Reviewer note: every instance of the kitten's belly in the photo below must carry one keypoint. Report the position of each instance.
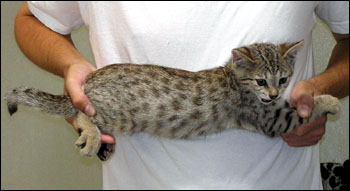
(164, 102)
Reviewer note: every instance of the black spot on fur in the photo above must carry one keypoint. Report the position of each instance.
(155, 92)
(182, 96)
(165, 80)
(161, 111)
(196, 114)
(144, 125)
(277, 114)
(79, 131)
(224, 84)
(176, 105)
(142, 93)
(12, 108)
(145, 107)
(199, 90)
(286, 104)
(288, 125)
(166, 90)
(287, 117)
(215, 112)
(126, 70)
(201, 133)
(146, 81)
(28, 90)
(196, 78)
(197, 101)
(174, 117)
(209, 80)
(213, 90)
(180, 86)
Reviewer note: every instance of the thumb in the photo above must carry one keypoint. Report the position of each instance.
(305, 104)
(107, 139)
(302, 98)
(80, 100)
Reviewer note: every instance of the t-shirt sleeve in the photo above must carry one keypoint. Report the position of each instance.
(335, 14)
(60, 16)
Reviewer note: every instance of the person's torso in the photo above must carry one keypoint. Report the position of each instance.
(196, 36)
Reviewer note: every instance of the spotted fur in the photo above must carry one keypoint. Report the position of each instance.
(179, 104)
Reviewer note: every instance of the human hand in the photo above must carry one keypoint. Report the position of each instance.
(74, 80)
(310, 133)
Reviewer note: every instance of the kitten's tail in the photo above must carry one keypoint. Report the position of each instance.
(53, 104)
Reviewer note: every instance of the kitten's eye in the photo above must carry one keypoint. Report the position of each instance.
(261, 82)
(283, 80)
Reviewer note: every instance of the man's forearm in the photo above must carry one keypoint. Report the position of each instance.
(47, 49)
(335, 80)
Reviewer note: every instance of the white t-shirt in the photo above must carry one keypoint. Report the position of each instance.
(196, 36)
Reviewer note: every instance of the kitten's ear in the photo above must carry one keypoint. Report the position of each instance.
(240, 55)
(290, 50)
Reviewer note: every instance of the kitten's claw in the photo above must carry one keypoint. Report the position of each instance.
(106, 150)
(81, 146)
(81, 142)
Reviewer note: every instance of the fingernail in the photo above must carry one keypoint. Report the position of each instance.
(90, 110)
(305, 111)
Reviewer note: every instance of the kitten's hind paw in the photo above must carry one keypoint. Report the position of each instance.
(106, 150)
(89, 143)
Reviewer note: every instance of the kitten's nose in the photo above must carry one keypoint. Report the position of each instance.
(273, 92)
(273, 96)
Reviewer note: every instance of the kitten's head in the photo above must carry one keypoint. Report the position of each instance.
(264, 69)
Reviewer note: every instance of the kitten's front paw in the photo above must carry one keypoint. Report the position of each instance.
(327, 104)
(89, 142)
(106, 150)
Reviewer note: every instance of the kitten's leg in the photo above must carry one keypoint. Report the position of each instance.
(283, 120)
(287, 119)
(90, 137)
(324, 104)
(106, 150)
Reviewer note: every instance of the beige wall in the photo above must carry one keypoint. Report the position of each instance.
(335, 144)
(37, 150)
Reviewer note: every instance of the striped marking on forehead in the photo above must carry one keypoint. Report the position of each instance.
(273, 68)
(269, 57)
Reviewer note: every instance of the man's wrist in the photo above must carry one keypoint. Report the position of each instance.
(77, 61)
(331, 82)
(319, 86)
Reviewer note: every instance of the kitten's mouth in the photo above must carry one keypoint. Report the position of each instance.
(265, 100)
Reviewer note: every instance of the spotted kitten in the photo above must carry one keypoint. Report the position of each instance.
(174, 103)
